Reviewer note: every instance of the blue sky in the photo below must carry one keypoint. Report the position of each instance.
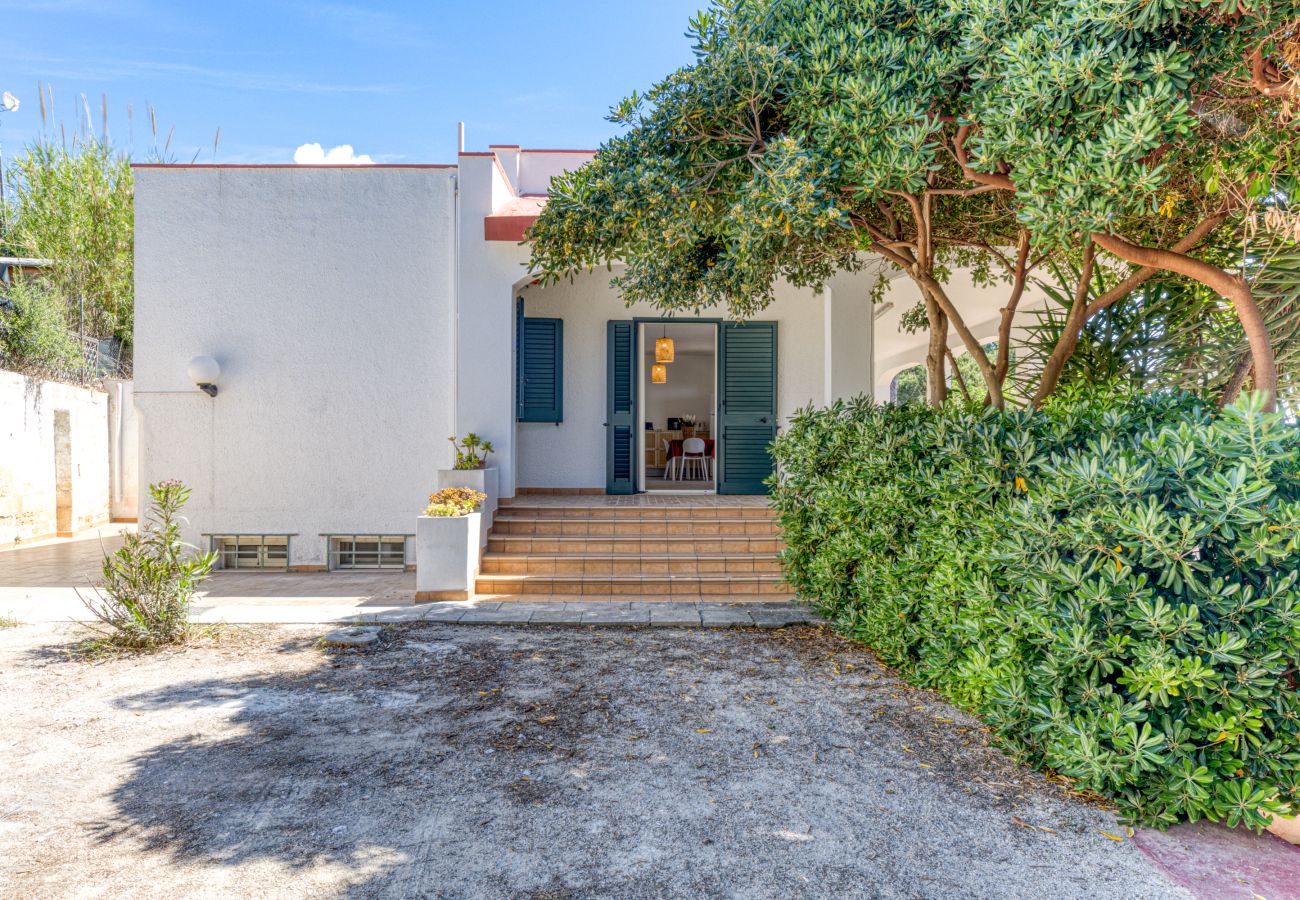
(391, 79)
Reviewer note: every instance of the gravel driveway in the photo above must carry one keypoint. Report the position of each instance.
(532, 762)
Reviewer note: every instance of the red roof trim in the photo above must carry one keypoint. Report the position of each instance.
(506, 228)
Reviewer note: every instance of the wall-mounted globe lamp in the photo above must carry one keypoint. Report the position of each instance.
(204, 372)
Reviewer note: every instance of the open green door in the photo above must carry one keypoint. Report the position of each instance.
(746, 406)
(620, 409)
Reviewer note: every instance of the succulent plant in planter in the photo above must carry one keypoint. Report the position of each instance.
(454, 501)
(447, 541)
(471, 452)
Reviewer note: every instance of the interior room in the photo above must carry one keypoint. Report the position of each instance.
(679, 386)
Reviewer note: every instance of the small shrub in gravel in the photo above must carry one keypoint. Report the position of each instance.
(143, 597)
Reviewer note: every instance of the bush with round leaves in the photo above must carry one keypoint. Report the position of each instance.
(1110, 582)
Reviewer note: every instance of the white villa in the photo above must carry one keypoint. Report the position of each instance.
(362, 314)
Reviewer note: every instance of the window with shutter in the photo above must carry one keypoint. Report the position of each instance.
(540, 370)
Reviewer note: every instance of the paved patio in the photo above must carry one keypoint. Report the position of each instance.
(39, 583)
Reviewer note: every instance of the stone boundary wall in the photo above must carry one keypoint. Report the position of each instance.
(58, 457)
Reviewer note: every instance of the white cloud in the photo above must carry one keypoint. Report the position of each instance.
(342, 155)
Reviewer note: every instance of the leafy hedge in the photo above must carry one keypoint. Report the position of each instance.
(1111, 584)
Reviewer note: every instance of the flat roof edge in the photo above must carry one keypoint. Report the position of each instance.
(291, 166)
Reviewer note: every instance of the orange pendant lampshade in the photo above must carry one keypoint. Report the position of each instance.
(664, 350)
(658, 374)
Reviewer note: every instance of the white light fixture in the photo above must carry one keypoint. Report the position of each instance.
(8, 103)
(204, 372)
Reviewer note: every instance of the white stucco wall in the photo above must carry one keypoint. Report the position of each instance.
(572, 454)
(326, 296)
(485, 353)
(28, 494)
(124, 452)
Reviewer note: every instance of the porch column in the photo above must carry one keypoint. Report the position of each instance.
(848, 349)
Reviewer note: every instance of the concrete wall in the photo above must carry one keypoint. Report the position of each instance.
(326, 296)
(124, 452)
(572, 454)
(487, 276)
(54, 444)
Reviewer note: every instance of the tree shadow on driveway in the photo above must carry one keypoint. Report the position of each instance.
(518, 762)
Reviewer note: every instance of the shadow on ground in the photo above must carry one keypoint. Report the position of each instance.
(571, 762)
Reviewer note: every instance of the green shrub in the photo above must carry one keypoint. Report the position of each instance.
(1112, 584)
(147, 586)
(34, 333)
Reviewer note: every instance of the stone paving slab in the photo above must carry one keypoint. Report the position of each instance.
(675, 615)
(725, 617)
(501, 616)
(629, 616)
(561, 616)
(661, 614)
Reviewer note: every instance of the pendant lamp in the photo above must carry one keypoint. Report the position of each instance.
(664, 351)
(658, 374)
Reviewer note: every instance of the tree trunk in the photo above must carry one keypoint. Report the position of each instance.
(1008, 312)
(956, 374)
(935, 378)
(1232, 389)
(1069, 337)
(935, 291)
(1233, 287)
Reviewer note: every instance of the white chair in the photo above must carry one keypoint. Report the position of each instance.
(692, 458)
(671, 465)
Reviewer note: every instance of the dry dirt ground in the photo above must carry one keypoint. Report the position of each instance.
(456, 761)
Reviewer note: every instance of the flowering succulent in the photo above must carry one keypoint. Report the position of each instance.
(455, 501)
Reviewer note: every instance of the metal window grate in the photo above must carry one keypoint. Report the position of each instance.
(252, 551)
(368, 551)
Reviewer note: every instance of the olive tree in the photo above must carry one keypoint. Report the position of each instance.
(809, 131)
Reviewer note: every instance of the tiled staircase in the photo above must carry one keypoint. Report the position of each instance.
(603, 551)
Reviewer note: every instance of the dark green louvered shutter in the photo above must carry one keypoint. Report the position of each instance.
(540, 370)
(746, 406)
(620, 409)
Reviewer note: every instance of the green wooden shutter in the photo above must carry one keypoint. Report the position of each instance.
(746, 406)
(620, 408)
(540, 370)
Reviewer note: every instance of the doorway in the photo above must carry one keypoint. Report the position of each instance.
(743, 418)
(678, 387)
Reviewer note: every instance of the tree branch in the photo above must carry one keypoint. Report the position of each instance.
(1002, 182)
(1233, 287)
(1261, 80)
(1019, 274)
(1069, 337)
(1189, 241)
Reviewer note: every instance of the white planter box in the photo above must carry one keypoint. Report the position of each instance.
(446, 556)
(484, 480)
